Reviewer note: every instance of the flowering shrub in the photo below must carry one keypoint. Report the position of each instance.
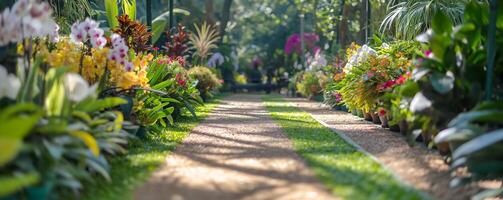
(206, 80)
(293, 43)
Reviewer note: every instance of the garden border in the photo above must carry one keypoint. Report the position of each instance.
(359, 148)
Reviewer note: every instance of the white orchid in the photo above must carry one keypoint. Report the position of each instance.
(77, 88)
(361, 55)
(318, 61)
(216, 59)
(27, 18)
(88, 30)
(9, 84)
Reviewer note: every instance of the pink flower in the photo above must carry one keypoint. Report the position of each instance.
(128, 67)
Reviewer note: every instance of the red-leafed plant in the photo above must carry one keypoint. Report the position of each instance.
(134, 33)
(176, 46)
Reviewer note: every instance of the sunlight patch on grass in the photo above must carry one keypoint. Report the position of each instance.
(348, 173)
(143, 158)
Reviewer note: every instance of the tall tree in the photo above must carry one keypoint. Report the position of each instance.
(226, 10)
(209, 11)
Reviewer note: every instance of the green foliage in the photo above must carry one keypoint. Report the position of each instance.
(310, 84)
(203, 41)
(112, 12)
(407, 19)
(160, 23)
(207, 80)
(143, 158)
(476, 138)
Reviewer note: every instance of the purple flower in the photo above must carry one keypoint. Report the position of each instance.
(293, 43)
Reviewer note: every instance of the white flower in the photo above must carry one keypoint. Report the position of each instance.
(419, 103)
(215, 60)
(9, 84)
(27, 18)
(425, 37)
(77, 88)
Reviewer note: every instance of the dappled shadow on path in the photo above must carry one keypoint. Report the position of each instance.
(238, 152)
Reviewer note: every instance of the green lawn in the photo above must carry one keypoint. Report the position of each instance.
(142, 159)
(349, 173)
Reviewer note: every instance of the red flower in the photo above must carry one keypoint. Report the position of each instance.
(382, 112)
(179, 80)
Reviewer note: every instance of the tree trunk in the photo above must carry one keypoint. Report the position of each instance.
(209, 12)
(362, 21)
(225, 19)
(344, 26)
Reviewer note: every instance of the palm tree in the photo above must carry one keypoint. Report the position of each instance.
(408, 18)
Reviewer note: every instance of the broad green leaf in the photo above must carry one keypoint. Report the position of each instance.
(172, 100)
(100, 104)
(163, 84)
(112, 11)
(100, 165)
(118, 121)
(10, 148)
(441, 23)
(129, 8)
(461, 133)
(89, 140)
(56, 99)
(442, 83)
(478, 144)
(488, 193)
(479, 116)
(13, 183)
(27, 91)
(160, 23)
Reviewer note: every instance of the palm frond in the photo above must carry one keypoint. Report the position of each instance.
(407, 19)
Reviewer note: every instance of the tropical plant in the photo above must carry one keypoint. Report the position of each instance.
(203, 41)
(476, 138)
(207, 80)
(407, 19)
(176, 46)
(135, 34)
(451, 76)
(311, 83)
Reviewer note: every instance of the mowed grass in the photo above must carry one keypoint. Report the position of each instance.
(348, 173)
(145, 156)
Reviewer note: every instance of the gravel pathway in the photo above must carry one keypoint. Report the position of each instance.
(417, 166)
(237, 152)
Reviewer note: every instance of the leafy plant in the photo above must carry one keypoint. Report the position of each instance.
(207, 81)
(410, 18)
(135, 34)
(203, 41)
(476, 137)
(176, 46)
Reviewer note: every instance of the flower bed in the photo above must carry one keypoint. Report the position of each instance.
(71, 103)
(431, 90)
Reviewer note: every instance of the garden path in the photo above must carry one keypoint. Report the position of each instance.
(237, 152)
(422, 168)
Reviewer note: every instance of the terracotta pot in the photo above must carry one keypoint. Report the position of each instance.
(367, 116)
(384, 121)
(375, 118)
(443, 148)
(404, 127)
